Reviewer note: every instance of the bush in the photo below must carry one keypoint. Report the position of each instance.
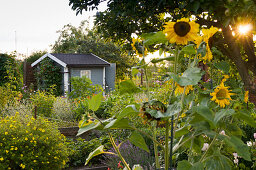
(44, 102)
(31, 144)
(82, 87)
(80, 149)
(62, 109)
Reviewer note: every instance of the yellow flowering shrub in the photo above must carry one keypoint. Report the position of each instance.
(26, 143)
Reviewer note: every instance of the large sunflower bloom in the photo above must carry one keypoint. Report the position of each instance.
(179, 89)
(182, 31)
(221, 95)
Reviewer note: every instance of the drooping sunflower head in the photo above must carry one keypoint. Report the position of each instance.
(222, 95)
(182, 31)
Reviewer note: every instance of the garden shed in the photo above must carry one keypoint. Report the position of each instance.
(95, 68)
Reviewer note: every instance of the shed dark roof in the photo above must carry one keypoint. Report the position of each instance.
(76, 60)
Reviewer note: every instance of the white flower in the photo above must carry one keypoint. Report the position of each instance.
(254, 135)
(236, 161)
(235, 155)
(249, 143)
(223, 132)
(205, 147)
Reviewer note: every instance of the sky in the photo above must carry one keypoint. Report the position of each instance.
(33, 24)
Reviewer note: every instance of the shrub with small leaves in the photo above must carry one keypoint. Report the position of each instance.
(44, 102)
(28, 143)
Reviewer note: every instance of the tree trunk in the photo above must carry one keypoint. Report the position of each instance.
(243, 68)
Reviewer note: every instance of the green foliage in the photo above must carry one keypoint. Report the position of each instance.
(10, 74)
(35, 56)
(80, 149)
(27, 143)
(82, 87)
(49, 76)
(128, 86)
(44, 103)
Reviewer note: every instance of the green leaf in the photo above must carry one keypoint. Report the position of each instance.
(184, 165)
(222, 113)
(189, 49)
(119, 124)
(170, 58)
(137, 167)
(96, 152)
(190, 77)
(206, 113)
(138, 141)
(217, 161)
(195, 6)
(223, 66)
(135, 71)
(245, 116)
(197, 166)
(88, 127)
(95, 101)
(154, 38)
(128, 87)
(181, 131)
(127, 111)
(239, 146)
(173, 109)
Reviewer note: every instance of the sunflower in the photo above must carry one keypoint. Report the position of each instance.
(137, 46)
(179, 89)
(246, 96)
(221, 95)
(182, 31)
(207, 34)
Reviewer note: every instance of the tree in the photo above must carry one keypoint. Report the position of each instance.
(122, 18)
(83, 40)
(10, 74)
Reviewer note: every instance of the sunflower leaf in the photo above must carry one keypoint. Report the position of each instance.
(154, 38)
(190, 77)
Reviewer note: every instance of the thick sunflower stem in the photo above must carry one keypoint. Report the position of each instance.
(155, 149)
(118, 152)
(166, 149)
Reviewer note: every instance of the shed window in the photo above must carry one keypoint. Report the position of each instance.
(86, 73)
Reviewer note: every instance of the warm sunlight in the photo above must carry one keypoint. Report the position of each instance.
(244, 29)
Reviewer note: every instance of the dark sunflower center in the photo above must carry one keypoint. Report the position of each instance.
(221, 94)
(181, 28)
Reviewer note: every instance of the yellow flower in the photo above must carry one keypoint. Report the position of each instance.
(1, 158)
(6, 151)
(22, 166)
(6, 133)
(21, 155)
(34, 161)
(246, 96)
(26, 138)
(207, 34)
(137, 46)
(225, 77)
(208, 56)
(221, 95)
(182, 31)
(179, 89)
